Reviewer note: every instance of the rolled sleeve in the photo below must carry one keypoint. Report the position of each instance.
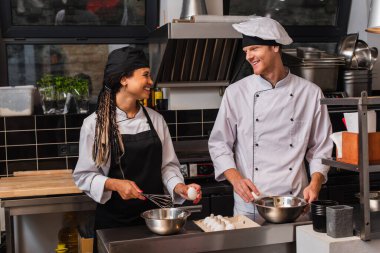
(223, 163)
(97, 189)
(317, 166)
(171, 184)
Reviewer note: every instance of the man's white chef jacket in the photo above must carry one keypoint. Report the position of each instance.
(91, 179)
(265, 133)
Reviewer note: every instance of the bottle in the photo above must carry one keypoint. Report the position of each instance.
(68, 234)
(61, 248)
(157, 96)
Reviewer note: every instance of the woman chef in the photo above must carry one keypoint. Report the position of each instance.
(125, 149)
(268, 122)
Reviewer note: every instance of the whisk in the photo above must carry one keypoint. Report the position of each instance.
(161, 200)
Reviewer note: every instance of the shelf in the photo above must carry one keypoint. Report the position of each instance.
(190, 84)
(363, 168)
(350, 101)
(348, 166)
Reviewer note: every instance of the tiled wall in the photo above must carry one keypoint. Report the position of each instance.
(36, 142)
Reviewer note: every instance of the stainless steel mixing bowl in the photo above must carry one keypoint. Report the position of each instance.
(280, 209)
(165, 221)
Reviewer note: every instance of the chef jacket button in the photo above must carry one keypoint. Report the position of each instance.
(291, 119)
(257, 95)
(256, 169)
(291, 145)
(256, 144)
(291, 192)
(257, 120)
(290, 168)
(291, 94)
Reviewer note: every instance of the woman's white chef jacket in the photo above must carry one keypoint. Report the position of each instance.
(265, 133)
(91, 179)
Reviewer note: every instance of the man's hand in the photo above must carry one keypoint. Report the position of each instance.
(242, 186)
(127, 189)
(311, 192)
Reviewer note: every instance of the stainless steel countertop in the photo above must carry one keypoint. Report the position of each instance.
(193, 239)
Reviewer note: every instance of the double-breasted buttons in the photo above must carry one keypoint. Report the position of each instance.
(291, 192)
(291, 119)
(257, 120)
(256, 144)
(291, 94)
(291, 145)
(256, 169)
(257, 95)
(290, 169)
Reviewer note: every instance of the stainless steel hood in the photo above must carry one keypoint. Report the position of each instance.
(193, 54)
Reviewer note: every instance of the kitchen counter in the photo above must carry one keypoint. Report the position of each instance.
(267, 238)
(25, 195)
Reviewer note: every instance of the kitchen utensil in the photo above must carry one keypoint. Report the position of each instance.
(346, 47)
(161, 200)
(318, 214)
(362, 54)
(339, 221)
(165, 221)
(280, 209)
(374, 200)
(193, 7)
(374, 54)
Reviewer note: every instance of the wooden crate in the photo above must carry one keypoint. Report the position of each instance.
(350, 148)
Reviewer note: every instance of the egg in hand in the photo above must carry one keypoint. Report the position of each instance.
(192, 193)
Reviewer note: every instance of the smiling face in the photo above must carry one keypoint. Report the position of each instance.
(138, 85)
(262, 58)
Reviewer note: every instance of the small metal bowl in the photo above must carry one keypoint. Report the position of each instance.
(280, 209)
(165, 221)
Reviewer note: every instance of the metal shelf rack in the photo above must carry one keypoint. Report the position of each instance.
(363, 167)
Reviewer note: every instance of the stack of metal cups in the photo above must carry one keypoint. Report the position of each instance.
(357, 75)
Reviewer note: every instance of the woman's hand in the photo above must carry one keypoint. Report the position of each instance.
(127, 189)
(182, 190)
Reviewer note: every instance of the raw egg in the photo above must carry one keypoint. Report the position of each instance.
(192, 193)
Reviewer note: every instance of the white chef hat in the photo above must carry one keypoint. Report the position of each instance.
(262, 31)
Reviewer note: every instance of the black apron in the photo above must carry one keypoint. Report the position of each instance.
(141, 163)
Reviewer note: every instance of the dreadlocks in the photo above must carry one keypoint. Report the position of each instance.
(108, 141)
(107, 136)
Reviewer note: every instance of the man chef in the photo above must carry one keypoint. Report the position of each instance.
(268, 123)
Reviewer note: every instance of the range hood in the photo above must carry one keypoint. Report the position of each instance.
(187, 54)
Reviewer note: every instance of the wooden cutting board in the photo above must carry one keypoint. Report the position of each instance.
(38, 183)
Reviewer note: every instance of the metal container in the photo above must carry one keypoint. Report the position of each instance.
(374, 200)
(325, 76)
(165, 221)
(309, 52)
(314, 65)
(193, 7)
(346, 47)
(280, 209)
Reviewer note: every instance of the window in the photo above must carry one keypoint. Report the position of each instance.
(28, 63)
(68, 37)
(305, 20)
(78, 18)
